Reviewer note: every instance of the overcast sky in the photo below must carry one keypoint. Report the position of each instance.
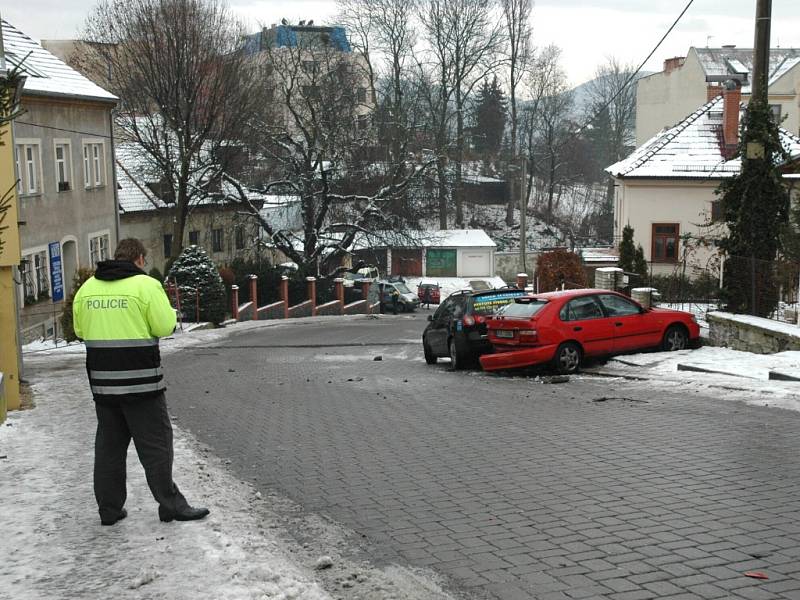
(588, 31)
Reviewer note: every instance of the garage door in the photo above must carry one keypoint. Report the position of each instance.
(476, 263)
(440, 263)
(407, 262)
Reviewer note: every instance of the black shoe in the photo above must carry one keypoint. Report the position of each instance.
(187, 514)
(122, 514)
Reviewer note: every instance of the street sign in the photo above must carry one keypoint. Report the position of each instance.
(56, 274)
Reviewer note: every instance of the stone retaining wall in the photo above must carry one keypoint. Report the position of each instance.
(752, 334)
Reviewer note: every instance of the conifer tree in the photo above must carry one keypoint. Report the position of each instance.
(755, 205)
(490, 119)
(196, 275)
(627, 250)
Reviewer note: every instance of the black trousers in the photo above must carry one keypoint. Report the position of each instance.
(146, 421)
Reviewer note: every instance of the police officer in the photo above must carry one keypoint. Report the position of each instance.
(120, 313)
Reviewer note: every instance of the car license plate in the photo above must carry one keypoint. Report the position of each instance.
(504, 333)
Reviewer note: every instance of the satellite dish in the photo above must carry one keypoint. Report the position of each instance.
(302, 23)
(284, 22)
(310, 23)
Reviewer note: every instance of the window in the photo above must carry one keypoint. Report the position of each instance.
(310, 66)
(239, 237)
(98, 248)
(716, 211)
(618, 307)
(361, 95)
(776, 112)
(63, 166)
(87, 176)
(29, 167)
(17, 153)
(167, 245)
(581, 309)
(216, 240)
(665, 242)
(34, 269)
(94, 164)
(194, 238)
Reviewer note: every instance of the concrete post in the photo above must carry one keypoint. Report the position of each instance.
(235, 302)
(338, 286)
(312, 294)
(365, 294)
(522, 280)
(285, 295)
(254, 295)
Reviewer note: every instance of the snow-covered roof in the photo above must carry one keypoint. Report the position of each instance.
(132, 191)
(692, 149)
(729, 61)
(46, 74)
(599, 255)
(457, 238)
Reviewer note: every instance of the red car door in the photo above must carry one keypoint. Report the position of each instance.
(634, 328)
(583, 320)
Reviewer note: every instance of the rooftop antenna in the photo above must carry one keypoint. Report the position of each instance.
(708, 39)
(302, 23)
(284, 22)
(311, 22)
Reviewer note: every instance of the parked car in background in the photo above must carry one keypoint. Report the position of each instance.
(458, 327)
(429, 293)
(561, 328)
(406, 300)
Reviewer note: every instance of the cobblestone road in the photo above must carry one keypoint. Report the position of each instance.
(511, 488)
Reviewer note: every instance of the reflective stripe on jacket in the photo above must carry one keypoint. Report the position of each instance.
(120, 320)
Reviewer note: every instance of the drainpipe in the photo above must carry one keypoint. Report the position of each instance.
(113, 162)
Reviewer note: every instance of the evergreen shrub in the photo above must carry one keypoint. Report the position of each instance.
(196, 275)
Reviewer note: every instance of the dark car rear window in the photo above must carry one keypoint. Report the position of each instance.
(487, 304)
(523, 310)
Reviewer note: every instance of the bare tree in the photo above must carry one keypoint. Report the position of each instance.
(184, 80)
(520, 52)
(315, 137)
(612, 110)
(546, 124)
(465, 39)
(383, 33)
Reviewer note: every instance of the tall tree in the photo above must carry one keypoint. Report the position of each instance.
(755, 206)
(549, 129)
(384, 34)
(465, 37)
(520, 54)
(490, 119)
(184, 82)
(311, 134)
(612, 106)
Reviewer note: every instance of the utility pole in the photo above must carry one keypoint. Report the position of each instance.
(761, 52)
(523, 216)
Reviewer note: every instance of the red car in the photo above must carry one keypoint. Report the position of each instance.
(563, 327)
(429, 293)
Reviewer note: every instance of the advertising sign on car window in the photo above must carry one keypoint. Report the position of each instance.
(487, 304)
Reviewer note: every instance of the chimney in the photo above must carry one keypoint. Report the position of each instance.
(673, 63)
(732, 98)
(712, 91)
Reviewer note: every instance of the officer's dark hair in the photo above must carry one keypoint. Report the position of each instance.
(130, 249)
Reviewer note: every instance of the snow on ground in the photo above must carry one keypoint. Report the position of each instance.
(54, 546)
(715, 369)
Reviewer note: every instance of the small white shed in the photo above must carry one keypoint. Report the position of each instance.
(459, 253)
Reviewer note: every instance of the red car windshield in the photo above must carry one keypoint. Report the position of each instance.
(487, 304)
(523, 310)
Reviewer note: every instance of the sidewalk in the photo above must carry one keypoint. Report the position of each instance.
(54, 546)
(768, 379)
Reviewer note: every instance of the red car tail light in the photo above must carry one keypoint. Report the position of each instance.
(530, 335)
(479, 319)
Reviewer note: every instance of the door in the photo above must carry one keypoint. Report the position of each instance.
(440, 327)
(583, 320)
(407, 261)
(633, 330)
(440, 262)
(476, 263)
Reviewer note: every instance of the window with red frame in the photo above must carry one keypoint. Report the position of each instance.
(665, 242)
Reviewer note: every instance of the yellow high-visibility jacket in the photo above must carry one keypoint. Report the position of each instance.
(120, 313)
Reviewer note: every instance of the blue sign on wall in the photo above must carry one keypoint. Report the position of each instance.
(56, 274)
